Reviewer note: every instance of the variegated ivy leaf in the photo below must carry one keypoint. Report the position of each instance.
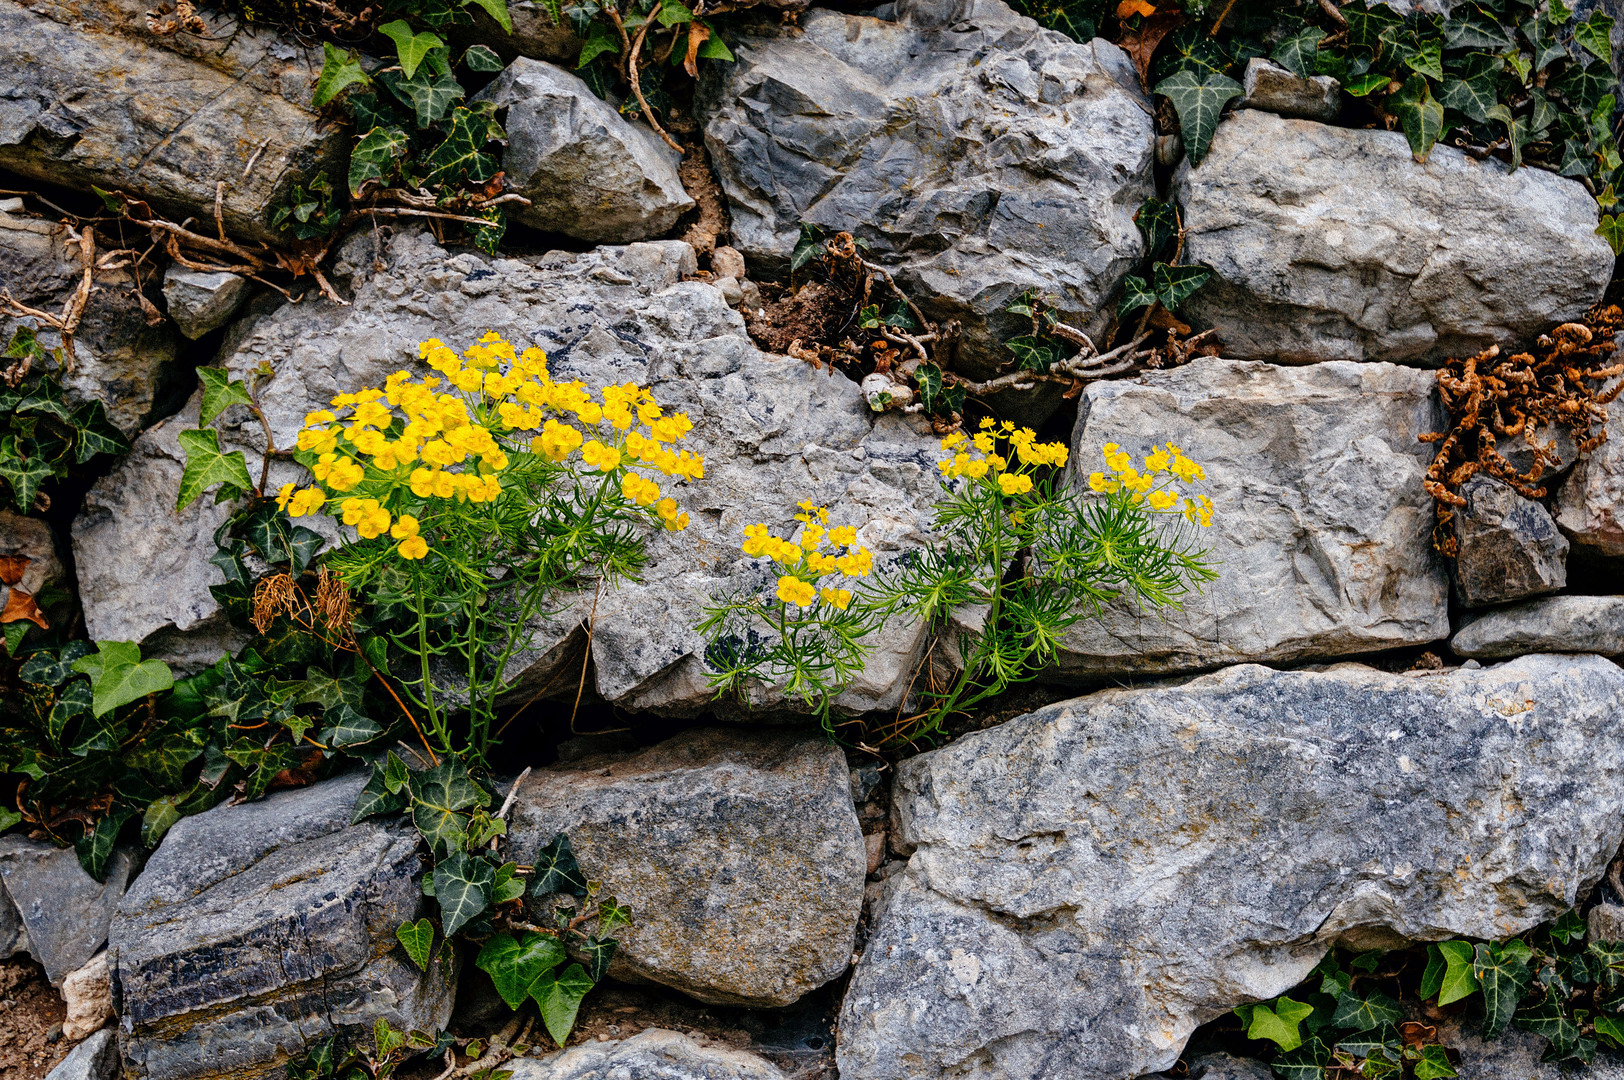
(338, 70)
(376, 797)
(1298, 53)
(439, 798)
(375, 156)
(1502, 974)
(462, 885)
(557, 871)
(1199, 102)
(1420, 114)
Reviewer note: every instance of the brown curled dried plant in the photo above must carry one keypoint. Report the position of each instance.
(1561, 384)
(328, 614)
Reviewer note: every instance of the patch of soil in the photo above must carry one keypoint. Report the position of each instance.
(31, 1015)
(814, 315)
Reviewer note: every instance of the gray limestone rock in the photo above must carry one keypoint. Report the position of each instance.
(976, 153)
(1272, 88)
(739, 853)
(200, 301)
(1605, 923)
(654, 1054)
(587, 171)
(1515, 1055)
(1332, 243)
(32, 540)
(92, 96)
(1590, 503)
(1509, 547)
(1578, 624)
(63, 911)
(1321, 532)
(773, 431)
(94, 1059)
(1068, 917)
(259, 927)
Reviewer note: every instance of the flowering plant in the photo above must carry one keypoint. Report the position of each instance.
(1016, 550)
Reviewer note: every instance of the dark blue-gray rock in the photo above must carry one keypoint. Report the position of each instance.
(1331, 243)
(1590, 503)
(1321, 528)
(975, 152)
(1509, 546)
(739, 853)
(1272, 88)
(258, 928)
(1092, 881)
(587, 171)
(94, 1059)
(63, 912)
(93, 96)
(653, 1054)
(1577, 624)
(202, 300)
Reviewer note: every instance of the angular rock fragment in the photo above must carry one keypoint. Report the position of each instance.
(63, 911)
(739, 853)
(88, 994)
(1066, 917)
(1331, 243)
(1509, 548)
(258, 928)
(1590, 502)
(1321, 528)
(653, 1054)
(587, 171)
(94, 1059)
(1579, 624)
(1272, 88)
(200, 301)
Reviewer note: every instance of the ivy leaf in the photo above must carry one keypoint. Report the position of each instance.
(429, 94)
(559, 997)
(1298, 53)
(600, 952)
(1568, 927)
(95, 848)
(24, 472)
(1189, 49)
(1175, 284)
(1159, 223)
(1030, 353)
(375, 155)
(166, 757)
(714, 48)
(461, 156)
(496, 9)
(47, 668)
(1474, 97)
(344, 726)
(1136, 293)
(462, 885)
(395, 776)
(159, 816)
(438, 796)
(1420, 113)
(1595, 35)
(1502, 974)
(219, 391)
(417, 938)
(1279, 1024)
(1609, 1028)
(674, 13)
(506, 886)
(481, 59)
(1362, 1014)
(46, 399)
(1585, 87)
(1380, 1041)
(338, 70)
(1457, 980)
(207, 465)
(557, 871)
(516, 965)
(1434, 1064)
(1199, 102)
(119, 676)
(409, 47)
(376, 797)
(599, 40)
(1364, 85)
(1307, 1062)
(1469, 28)
(1607, 961)
(1366, 25)
(1549, 1021)
(73, 700)
(95, 434)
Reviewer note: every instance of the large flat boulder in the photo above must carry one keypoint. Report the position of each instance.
(1068, 918)
(92, 96)
(1333, 243)
(1321, 530)
(739, 853)
(773, 431)
(977, 153)
(258, 928)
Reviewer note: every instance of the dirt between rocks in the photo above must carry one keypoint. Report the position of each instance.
(31, 1015)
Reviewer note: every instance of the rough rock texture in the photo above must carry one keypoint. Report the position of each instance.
(94, 1059)
(1510, 548)
(976, 152)
(119, 359)
(91, 96)
(1272, 88)
(773, 431)
(257, 928)
(1332, 243)
(739, 853)
(88, 994)
(1553, 624)
(534, 34)
(654, 1054)
(587, 171)
(1221, 1067)
(1321, 530)
(1066, 917)
(1515, 1055)
(63, 910)
(30, 539)
(1605, 923)
(200, 301)
(1590, 503)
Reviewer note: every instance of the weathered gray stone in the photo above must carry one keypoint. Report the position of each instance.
(977, 153)
(92, 96)
(260, 927)
(1509, 547)
(30, 539)
(1515, 1055)
(773, 431)
(119, 358)
(1066, 917)
(200, 301)
(1590, 503)
(654, 1054)
(739, 853)
(63, 910)
(587, 171)
(94, 1059)
(1221, 1067)
(1606, 923)
(1321, 531)
(1591, 624)
(1272, 88)
(88, 994)
(1332, 243)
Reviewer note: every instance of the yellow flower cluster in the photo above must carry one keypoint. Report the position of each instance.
(452, 438)
(806, 559)
(1154, 481)
(1009, 466)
